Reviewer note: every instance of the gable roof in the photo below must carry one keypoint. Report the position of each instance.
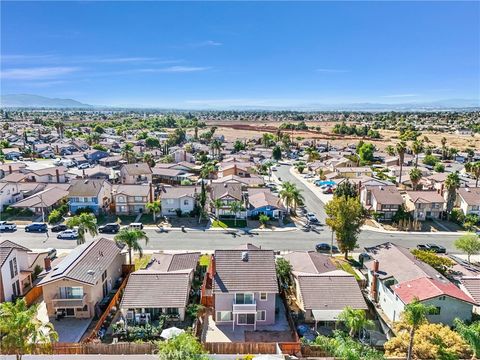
(387, 195)
(131, 189)
(87, 187)
(86, 263)
(425, 197)
(137, 169)
(470, 195)
(175, 192)
(256, 274)
(174, 262)
(472, 285)
(6, 247)
(220, 191)
(310, 262)
(265, 198)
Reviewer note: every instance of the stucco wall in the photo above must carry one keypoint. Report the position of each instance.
(224, 302)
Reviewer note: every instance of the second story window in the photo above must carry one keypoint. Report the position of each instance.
(13, 268)
(244, 298)
(263, 296)
(104, 276)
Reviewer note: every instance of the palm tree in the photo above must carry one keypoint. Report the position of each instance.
(85, 223)
(444, 150)
(452, 183)
(127, 152)
(217, 204)
(355, 320)
(131, 238)
(235, 208)
(216, 146)
(312, 153)
(154, 207)
(148, 158)
(267, 140)
(290, 195)
(208, 169)
(415, 314)
(415, 176)
(417, 148)
(473, 168)
(401, 148)
(390, 150)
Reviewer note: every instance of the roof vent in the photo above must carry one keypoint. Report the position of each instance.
(467, 189)
(245, 256)
(91, 272)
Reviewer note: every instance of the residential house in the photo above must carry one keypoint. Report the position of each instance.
(9, 193)
(227, 194)
(94, 155)
(261, 201)
(471, 286)
(351, 172)
(321, 290)
(131, 199)
(242, 287)
(44, 201)
(11, 168)
(167, 175)
(111, 161)
(396, 278)
(163, 288)
(75, 286)
(97, 172)
(94, 194)
(135, 173)
(246, 182)
(15, 276)
(468, 200)
(182, 155)
(54, 174)
(384, 200)
(424, 204)
(178, 198)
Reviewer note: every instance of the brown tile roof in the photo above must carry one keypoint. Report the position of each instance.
(175, 192)
(331, 292)
(252, 180)
(86, 263)
(87, 187)
(137, 169)
(265, 198)
(131, 190)
(310, 262)
(219, 191)
(386, 195)
(425, 197)
(472, 285)
(174, 262)
(470, 195)
(159, 171)
(256, 274)
(153, 289)
(6, 248)
(45, 198)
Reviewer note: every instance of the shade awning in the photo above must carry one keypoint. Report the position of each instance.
(326, 315)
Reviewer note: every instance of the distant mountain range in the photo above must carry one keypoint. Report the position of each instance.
(36, 101)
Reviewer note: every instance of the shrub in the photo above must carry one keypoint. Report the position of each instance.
(54, 217)
(439, 263)
(439, 167)
(86, 210)
(430, 160)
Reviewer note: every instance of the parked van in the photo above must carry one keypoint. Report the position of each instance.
(138, 226)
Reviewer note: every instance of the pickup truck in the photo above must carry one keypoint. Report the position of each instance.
(7, 226)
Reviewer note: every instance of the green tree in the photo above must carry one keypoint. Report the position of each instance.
(440, 263)
(390, 150)
(277, 153)
(365, 152)
(154, 207)
(347, 189)
(20, 329)
(267, 140)
(452, 183)
(444, 147)
(263, 219)
(202, 201)
(55, 216)
(84, 222)
(415, 314)
(355, 320)
(127, 152)
(439, 167)
(469, 244)
(152, 142)
(184, 346)
(217, 204)
(312, 154)
(238, 146)
(415, 177)
(131, 239)
(291, 195)
(284, 272)
(401, 149)
(208, 170)
(473, 168)
(235, 208)
(471, 335)
(148, 158)
(345, 217)
(417, 148)
(216, 146)
(99, 129)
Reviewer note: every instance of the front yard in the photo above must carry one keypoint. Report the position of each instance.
(229, 223)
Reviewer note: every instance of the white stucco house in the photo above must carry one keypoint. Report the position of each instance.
(468, 200)
(175, 198)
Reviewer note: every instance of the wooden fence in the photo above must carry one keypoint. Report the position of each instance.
(291, 348)
(33, 294)
(240, 348)
(114, 302)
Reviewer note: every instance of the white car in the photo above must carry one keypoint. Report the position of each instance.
(312, 218)
(84, 166)
(7, 226)
(68, 234)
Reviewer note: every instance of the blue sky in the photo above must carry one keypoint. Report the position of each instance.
(214, 54)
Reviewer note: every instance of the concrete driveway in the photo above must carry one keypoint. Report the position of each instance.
(70, 329)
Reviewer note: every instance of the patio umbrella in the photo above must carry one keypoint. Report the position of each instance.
(171, 332)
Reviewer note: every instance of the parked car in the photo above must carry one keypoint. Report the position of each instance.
(326, 248)
(437, 248)
(312, 218)
(59, 227)
(68, 234)
(84, 166)
(36, 227)
(111, 228)
(7, 226)
(138, 226)
(422, 247)
(51, 253)
(328, 190)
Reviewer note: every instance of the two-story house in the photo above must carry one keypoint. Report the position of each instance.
(131, 199)
(424, 205)
(82, 279)
(395, 278)
(243, 287)
(138, 173)
(9, 193)
(468, 200)
(94, 194)
(178, 198)
(226, 194)
(55, 174)
(94, 155)
(15, 276)
(384, 200)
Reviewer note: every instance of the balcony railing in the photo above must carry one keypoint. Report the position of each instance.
(245, 308)
(61, 302)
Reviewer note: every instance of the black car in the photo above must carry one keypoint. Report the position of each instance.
(112, 228)
(422, 247)
(325, 248)
(60, 227)
(36, 227)
(436, 248)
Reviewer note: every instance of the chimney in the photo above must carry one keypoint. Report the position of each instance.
(47, 262)
(58, 175)
(10, 169)
(213, 267)
(373, 285)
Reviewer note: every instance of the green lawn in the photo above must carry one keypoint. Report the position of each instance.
(141, 263)
(345, 266)
(229, 223)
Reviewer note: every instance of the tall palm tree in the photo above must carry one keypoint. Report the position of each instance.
(417, 148)
(401, 148)
(444, 147)
(312, 153)
(85, 223)
(154, 207)
(127, 152)
(131, 239)
(217, 204)
(148, 158)
(208, 169)
(452, 183)
(355, 320)
(415, 314)
(216, 146)
(390, 150)
(415, 176)
(267, 139)
(291, 195)
(235, 208)
(473, 168)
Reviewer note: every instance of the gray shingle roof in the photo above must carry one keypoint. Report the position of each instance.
(174, 262)
(86, 187)
(85, 263)
(472, 284)
(310, 262)
(335, 292)
(151, 289)
(233, 274)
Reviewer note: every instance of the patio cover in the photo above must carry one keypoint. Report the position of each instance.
(326, 315)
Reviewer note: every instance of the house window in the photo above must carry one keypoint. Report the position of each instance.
(441, 298)
(85, 199)
(172, 311)
(170, 201)
(104, 275)
(263, 296)
(436, 311)
(74, 292)
(138, 198)
(244, 298)
(185, 202)
(246, 319)
(13, 268)
(121, 199)
(224, 316)
(261, 315)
